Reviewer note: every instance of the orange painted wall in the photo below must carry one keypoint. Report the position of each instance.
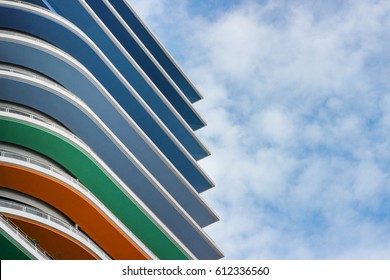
(75, 206)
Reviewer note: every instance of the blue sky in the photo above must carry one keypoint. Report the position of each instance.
(297, 100)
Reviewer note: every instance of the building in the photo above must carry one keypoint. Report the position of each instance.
(98, 149)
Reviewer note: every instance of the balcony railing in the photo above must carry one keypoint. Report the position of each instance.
(33, 245)
(24, 158)
(21, 157)
(44, 215)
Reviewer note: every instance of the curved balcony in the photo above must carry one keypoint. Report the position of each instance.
(63, 236)
(58, 188)
(17, 245)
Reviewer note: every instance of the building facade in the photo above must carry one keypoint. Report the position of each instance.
(98, 145)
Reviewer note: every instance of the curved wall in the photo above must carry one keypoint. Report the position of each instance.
(93, 177)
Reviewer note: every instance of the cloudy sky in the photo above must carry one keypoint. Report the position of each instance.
(297, 101)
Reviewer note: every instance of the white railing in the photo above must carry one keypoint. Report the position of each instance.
(24, 158)
(25, 237)
(18, 70)
(44, 215)
(21, 157)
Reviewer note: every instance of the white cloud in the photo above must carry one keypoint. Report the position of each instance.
(274, 125)
(149, 9)
(297, 105)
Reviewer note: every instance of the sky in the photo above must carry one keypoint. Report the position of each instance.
(297, 102)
